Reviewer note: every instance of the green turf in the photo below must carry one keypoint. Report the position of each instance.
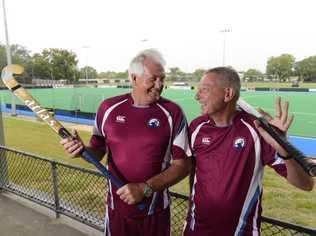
(275, 85)
(302, 104)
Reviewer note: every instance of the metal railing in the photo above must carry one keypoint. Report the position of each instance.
(80, 193)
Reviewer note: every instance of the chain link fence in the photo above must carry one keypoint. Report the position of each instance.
(80, 193)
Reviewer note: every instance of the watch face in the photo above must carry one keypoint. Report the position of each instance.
(148, 191)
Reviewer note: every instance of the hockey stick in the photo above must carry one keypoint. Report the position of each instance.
(308, 164)
(43, 114)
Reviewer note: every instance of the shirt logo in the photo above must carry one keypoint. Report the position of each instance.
(121, 119)
(153, 123)
(239, 143)
(206, 140)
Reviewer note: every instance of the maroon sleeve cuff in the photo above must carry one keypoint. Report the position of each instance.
(178, 153)
(97, 141)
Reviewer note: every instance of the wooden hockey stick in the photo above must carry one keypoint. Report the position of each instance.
(9, 80)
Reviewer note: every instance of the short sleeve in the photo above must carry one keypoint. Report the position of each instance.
(98, 139)
(270, 158)
(180, 143)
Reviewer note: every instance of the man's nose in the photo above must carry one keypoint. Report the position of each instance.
(159, 83)
(197, 97)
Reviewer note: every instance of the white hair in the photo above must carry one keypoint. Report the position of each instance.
(136, 66)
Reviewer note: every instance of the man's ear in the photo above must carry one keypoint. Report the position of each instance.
(133, 77)
(229, 94)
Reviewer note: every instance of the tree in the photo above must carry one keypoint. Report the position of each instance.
(253, 75)
(55, 64)
(88, 72)
(20, 55)
(198, 73)
(113, 75)
(306, 69)
(175, 74)
(280, 67)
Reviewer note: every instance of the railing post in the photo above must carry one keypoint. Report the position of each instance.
(3, 170)
(55, 188)
(3, 157)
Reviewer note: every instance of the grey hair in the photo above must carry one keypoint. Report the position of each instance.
(136, 66)
(228, 77)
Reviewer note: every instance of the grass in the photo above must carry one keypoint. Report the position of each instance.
(36, 137)
(283, 201)
(280, 199)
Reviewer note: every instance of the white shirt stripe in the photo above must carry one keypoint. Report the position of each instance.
(195, 132)
(256, 182)
(107, 231)
(182, 141)
(192, 222)
(107, 113)
(165, 163)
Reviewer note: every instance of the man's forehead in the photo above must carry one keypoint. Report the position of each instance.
(205, 81)
(154, 68)
(209, 79)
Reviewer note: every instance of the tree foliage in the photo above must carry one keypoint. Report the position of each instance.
(88, 72)
(60, 64)
(175, 74)
(198, 73)
(19, 55)
(55, 64)
(113, 75)
(253, 75)
(281, 67)
(306, 68)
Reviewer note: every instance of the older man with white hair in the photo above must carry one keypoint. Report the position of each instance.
(145, 138)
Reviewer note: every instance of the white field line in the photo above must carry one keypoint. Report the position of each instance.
(292, 112)
(301, 137)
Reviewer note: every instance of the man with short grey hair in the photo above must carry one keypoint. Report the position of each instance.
(145, 138)
(230, 150)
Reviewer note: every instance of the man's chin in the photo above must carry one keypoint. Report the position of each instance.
(154, 98)
(204, 112)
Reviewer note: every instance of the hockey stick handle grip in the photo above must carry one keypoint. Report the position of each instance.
(306, 163)
(85, 154)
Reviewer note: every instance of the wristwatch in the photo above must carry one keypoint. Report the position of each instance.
(148, 191)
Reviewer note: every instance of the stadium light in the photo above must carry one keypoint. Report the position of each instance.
(9, 59)
(224, 32)
(143, 43)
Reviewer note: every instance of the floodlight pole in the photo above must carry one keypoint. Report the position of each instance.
(86, 67)
(3, 160)
(8, 51)
(224, 31)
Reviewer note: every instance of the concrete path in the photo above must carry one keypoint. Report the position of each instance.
(17, 219)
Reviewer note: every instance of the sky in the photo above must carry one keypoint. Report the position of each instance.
(106, 34)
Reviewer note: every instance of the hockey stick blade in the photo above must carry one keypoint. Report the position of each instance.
(308, 164)
(11, 83)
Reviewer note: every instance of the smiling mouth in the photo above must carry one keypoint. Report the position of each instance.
(154, 92)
